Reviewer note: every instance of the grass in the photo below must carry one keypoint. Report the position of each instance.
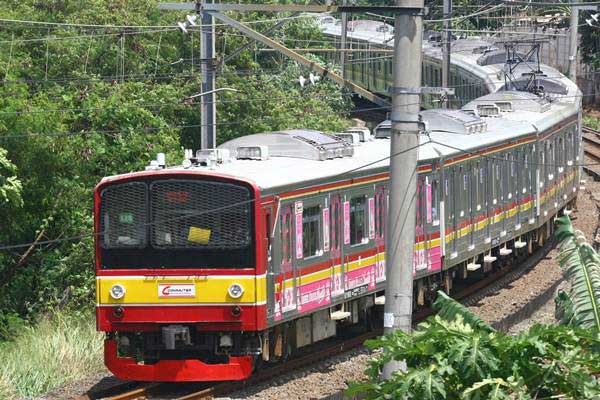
(56, 351)
(591, 121)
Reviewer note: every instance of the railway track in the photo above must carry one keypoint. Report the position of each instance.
(591, 149)
(468, 296)
(591, 139)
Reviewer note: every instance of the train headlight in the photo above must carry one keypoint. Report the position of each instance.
(117, 291)
(235, 290)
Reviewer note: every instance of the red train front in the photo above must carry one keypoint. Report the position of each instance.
(180, 275)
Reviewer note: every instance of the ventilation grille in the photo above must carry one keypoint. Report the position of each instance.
(505, 106)
(123, 216)
(488, 110)
(190, 214)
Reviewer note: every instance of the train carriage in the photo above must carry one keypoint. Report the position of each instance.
(275, 241)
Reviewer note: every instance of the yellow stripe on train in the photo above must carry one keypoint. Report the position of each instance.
(185, 290)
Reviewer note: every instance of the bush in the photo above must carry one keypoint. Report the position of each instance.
(452, 360)
(57, 350)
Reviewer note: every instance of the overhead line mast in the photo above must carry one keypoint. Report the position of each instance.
(400, 235)
(405, 94)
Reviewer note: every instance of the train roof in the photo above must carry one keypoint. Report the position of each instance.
(480, 56)
(302, 157)
(462, 131)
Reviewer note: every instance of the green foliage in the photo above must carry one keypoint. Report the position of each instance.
(448, 309)
(454, 360)
(589, 44)
(57, 350)
(76, 106)
(580, 306)
(591, 121)
(10, 186)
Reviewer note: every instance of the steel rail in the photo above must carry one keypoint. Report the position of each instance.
(591, 139)
(467, 296)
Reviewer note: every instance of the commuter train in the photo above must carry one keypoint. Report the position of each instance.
(249, 252)
(477, 64)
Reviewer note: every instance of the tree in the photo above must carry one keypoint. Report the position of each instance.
(454, 355)
(80, 103)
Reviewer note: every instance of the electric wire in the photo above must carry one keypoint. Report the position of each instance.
(6, 247)
(245, 202)
(79, 25)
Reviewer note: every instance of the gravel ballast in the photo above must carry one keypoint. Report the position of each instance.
(330, 376)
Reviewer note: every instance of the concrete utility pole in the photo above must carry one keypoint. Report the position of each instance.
(447, 46)
(408, 35)
(343, 45)
(208, 105)
(573, 42)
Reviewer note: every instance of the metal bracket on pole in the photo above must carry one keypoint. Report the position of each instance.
(259, 37)
(405, 118)
(208, 109)
(442, 91)
(204, 6)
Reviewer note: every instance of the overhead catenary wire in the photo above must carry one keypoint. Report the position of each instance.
(215, 210)
(547, 3)
(166, 127)
(339, 175)
(253, 99)
(108, 26)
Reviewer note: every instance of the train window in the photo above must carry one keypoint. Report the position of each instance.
(549, 161)
(435, 201)
(357, 219)
(458, 191)
(482, 181)
(311, 231)
(496, 180)
(124, 216)
(449, 196)
(476, 186)
(542, 166)
(560, 155)
(380, 213)
(466, 205)
(334, 225)
(525, 166)
(286, 238)
(569, 147)
(510, 175)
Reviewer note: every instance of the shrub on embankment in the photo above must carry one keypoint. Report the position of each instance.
(57, 350)
(456, 355)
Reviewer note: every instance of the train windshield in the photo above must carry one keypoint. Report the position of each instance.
(175, 223)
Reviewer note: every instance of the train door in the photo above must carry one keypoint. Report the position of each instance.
(286, 295)
(488, 168)
(380, 218)
(272, 267)
(527, 187)
(434, 249)
(496, 198)
(461, 194)
(473, 213)
(451, 207)
(548, 178)
(520, 178)
(336, 231)
(511, 199)
(570, 160)
(558, 152)
(504, 192)
(420, 254)
(560, 167)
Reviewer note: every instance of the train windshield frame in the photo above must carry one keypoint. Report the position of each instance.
(176, 223)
